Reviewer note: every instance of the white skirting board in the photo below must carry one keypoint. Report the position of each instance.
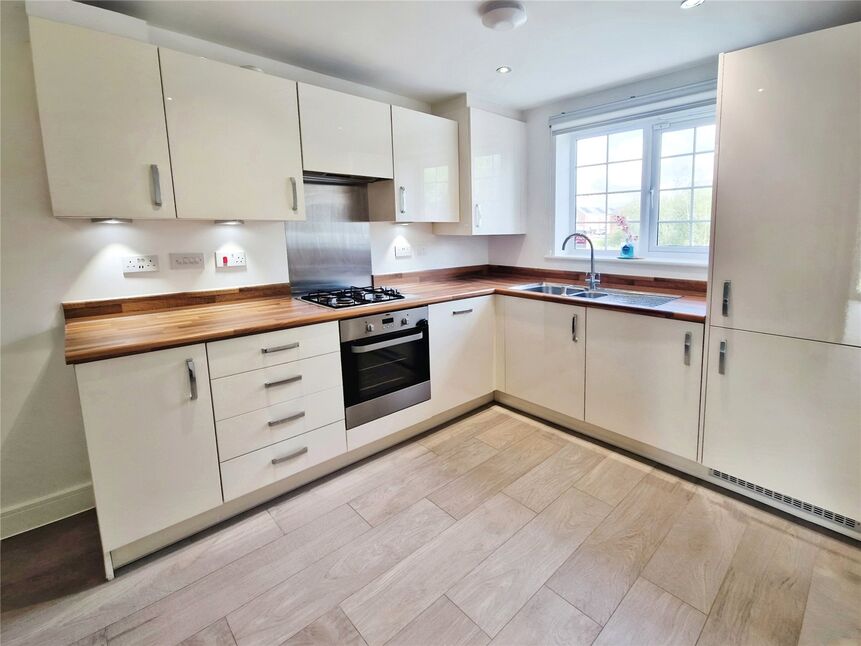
(31, 514)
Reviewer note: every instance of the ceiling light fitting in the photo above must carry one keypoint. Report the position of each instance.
(690, 4)
(111, 220)
(502, 15)
(229, 223)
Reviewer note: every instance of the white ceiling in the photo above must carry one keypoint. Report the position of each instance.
(432, 50)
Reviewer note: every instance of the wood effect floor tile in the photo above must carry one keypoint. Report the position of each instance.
(99, 638)
(694, 557)
(290, 606)
(650, 615)
(144, 583)
(762, 598)
(191, 609)
(217, 634)
(443, 624)
(450, 438)
(833, 611)
(543, 484)
(505, 432)
(602, 570)
(467, 492)
(332, 629)
(382, 608)
(548, 620)
(613, 478)
(389, 498)
(496, 590)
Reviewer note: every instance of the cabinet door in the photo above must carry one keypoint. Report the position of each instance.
(103, 129)
(643, 379)
(462, 351)
(345, 134)
(545, 354)
(151, 441)
(234, 140)
(787, 216)
(785, 414)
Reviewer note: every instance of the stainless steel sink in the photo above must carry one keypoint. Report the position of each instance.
(555, 289)
(609, 296)
(589, 294)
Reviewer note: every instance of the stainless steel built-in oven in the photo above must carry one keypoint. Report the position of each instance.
(385, 362)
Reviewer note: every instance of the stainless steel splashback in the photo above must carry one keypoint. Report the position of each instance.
(332, 247)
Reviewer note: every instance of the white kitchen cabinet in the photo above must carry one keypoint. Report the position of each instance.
(234, 140)
(103, 126)
(425, 186)
(345, 134)
(492, 174)
(151, 441)
(545, 354)
(643, 377)
(786, 414)
(788, 211)
(461, 351)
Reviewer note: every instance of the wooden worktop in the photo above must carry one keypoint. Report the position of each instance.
(106, 329)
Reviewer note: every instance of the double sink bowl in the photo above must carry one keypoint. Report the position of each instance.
(608, 296)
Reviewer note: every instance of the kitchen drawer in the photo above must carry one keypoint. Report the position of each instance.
(245, 433)
(248, 391)
(256, 469)
(245, 353)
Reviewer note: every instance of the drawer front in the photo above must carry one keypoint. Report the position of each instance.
(256, 469)
(259, 428)
(248, 391)
(245, 353)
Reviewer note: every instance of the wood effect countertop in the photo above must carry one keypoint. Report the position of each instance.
(108, 336)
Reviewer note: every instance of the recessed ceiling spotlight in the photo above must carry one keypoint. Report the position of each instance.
(503, 69)
(111, 220)
(229, 223)
(690, 4)
(502, 15)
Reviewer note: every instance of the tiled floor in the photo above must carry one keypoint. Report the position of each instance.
(493, 530)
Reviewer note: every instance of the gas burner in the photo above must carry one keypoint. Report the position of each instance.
(353, 296)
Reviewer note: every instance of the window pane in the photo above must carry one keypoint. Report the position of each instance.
(596, 232)
(701, 234)
(590, 208)
(677, 142)
(591, 179)
(702, 204)
(676, 172)
(592, 151)
(626, 205)
(625, 176)
(703, 169)
(626, 145)
(675, 205)
(705, 138)
(674, 234)
(617, 236)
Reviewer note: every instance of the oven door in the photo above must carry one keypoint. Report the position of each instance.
(385, 373)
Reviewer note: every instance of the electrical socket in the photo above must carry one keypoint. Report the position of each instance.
(403, 250)
(229, 259)
(191, 260)
(139, 264)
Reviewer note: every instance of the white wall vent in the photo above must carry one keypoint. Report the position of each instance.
(810, 508)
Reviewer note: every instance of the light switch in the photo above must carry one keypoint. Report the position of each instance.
(192, 260)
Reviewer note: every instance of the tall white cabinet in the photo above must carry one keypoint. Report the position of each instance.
(782, 384)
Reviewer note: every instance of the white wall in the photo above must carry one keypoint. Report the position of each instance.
(532, 249)
(45, 261)
(428, 250)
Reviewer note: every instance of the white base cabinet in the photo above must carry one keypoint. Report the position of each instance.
(643, 378)
(786, 414)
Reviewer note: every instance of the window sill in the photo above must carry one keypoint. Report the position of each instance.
(643, 262)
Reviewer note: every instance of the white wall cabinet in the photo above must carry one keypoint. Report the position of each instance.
(426, 183)
(545, 354)
(492, 175)
(103, 127)
(643, 379)
(345, 134)
(234, 140)
(788, 210)
(461, 350)
(151, 441)
(785, 413)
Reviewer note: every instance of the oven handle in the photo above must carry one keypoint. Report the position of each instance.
(360, 349)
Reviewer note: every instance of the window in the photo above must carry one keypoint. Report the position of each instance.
(641, 179)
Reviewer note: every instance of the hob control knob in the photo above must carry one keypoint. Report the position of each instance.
(405, 321)
(369, 327)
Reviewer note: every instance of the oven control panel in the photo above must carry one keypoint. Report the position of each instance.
(366, 326)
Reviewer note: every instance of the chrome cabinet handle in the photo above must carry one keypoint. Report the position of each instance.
(402, 199)
(291, 455)
(295, 191)
(156, 184)
(284, 420)
(361, 349)
(725, 302)
(574, 337)
(281, 382)
(722, 358)
(279, 348)
(477, 216)
(689, 337)
(456, 312)
(192, 378)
